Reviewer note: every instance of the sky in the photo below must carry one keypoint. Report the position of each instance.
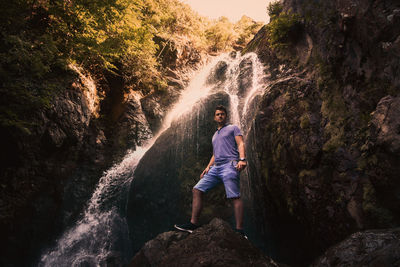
(232, 9)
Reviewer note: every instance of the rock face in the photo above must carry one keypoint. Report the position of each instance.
(386, 123)
(369, 248)
(214, 244)
(323, 147)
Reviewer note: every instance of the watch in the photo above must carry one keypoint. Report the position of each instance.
(242, 159)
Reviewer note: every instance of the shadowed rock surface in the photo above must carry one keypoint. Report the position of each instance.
(323, 149)
(369, 248)
(48, 176)
(214, 244)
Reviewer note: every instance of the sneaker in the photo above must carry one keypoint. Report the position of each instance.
(241, 232)
(187, 227)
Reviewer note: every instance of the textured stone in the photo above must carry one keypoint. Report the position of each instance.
(386, 121)
(320, 167)
(369, 248)
(214, 244)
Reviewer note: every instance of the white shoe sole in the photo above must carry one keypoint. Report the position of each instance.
(182, 229)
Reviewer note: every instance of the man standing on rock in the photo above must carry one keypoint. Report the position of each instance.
(227, 161)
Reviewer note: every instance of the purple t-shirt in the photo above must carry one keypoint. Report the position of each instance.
(224, 144)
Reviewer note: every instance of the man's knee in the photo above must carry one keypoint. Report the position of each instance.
(196, 192)
(237, 201)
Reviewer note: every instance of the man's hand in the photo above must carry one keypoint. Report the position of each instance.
(241, 165)
(204, 172)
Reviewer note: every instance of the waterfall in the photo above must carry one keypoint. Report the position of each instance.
(101, 236)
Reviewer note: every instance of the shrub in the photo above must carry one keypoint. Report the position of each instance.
(274, 9)
(284, 29)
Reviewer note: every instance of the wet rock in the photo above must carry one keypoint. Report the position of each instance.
(245, 78)
(153, 111)
(133, 127)
(369, 248)
(214, 244)
(218, 74)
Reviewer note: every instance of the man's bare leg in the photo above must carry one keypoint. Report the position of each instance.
(238, 209)
(197, 205)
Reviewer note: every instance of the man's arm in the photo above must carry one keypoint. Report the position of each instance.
(242, 153)
(208, 167)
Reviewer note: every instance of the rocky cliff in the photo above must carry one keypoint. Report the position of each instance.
(88, 127)
(323, 148)
(322, 143)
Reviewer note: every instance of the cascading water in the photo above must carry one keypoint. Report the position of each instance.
(100, 238)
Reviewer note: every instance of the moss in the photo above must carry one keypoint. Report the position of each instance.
(309, 173)
(336, 138)
(304, 121)
(333, 107)
(367, 161)
(304, 105)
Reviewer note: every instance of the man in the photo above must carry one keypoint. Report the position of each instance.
(227, 161)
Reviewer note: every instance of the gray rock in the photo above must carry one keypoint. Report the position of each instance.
(369, 248)
(245, 78)
(214, 244)
(218, 74)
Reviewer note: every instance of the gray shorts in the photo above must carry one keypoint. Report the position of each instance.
(225, 173)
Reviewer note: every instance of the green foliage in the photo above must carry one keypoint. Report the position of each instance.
(333, 107)
(283, 29)
(40, 38)
(274, 9)
(246, 28)
(221, 35)
(304, 121)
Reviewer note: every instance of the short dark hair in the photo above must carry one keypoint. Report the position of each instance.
(221, 107)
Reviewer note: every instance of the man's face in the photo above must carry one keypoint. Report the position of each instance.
(220, 116)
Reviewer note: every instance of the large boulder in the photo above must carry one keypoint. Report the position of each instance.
(214, 244)
(369, 248)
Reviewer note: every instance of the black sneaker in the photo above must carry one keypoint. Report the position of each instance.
(241, 232)
(187, 227)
